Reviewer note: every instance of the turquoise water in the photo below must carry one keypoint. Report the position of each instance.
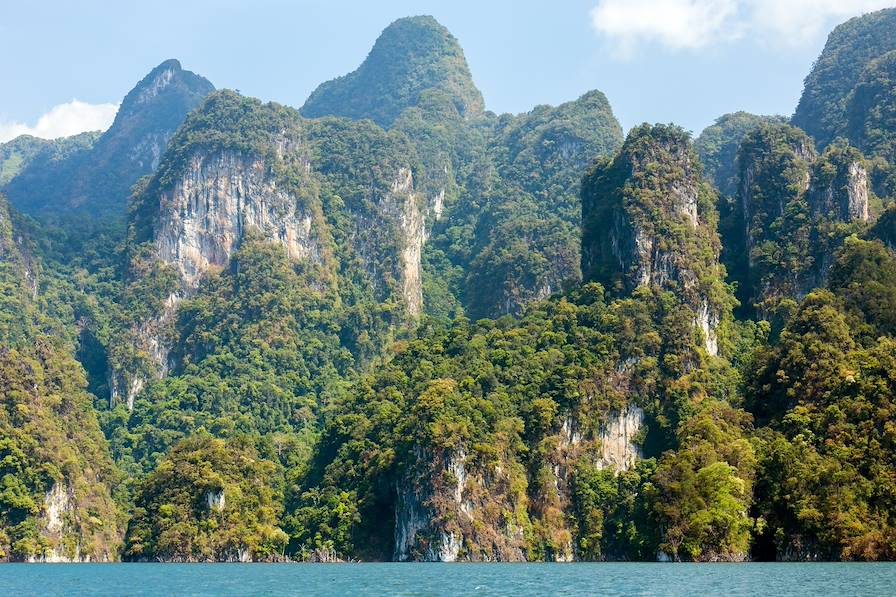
(776, 580)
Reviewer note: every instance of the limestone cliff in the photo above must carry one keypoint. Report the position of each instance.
(449, 509)
(839, 186)
(349, 212)
(205, 212)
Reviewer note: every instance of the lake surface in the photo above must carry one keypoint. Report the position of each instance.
(776, 580)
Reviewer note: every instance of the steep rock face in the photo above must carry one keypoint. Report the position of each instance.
(204, 214)
(99, 179)
(839, 186)
(412, 56)
(347, 210)
(59, 508)
(402, 204)
(760, 165)
(610, 440)
(445, 511)
(649, 220)
(619, 437)
(774, 167)
(849, 49)
(151, 338)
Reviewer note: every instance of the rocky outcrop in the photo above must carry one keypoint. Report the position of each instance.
(793, 208)
(417, 534)
(838, 190)
(649, 221)
(787, 175)
(403, 205)
(619, 448)
(616, 440)
(59, 503)
(60, 529)
(150, 341)
(447, 509)
(215, 500)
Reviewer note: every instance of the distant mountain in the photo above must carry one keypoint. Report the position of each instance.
(413, 57)
(38, 156)
(718, 143)
(98, 180)
(850, 48)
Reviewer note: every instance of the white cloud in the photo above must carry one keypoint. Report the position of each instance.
(63, 120)
(693, 24)
(674, 23)
(799, 21)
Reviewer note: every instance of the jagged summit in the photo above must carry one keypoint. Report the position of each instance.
(98, 179)
(413, 56)
(166, 82)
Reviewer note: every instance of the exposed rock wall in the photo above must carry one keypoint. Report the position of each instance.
(59, 528)
(839, 189)
(149, 338)
(204, 215)
(402, 204)
(448, 509)
(619, 447)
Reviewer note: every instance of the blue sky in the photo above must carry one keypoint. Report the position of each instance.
(682, 61)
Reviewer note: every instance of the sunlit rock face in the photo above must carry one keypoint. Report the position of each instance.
(449, 509)
(352, 215)
(220, 197)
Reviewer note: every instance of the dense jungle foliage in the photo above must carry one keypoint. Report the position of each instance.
(424, 331)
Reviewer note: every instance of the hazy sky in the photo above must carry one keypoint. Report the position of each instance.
(682, 61)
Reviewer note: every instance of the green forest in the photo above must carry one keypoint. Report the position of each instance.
(392, 325)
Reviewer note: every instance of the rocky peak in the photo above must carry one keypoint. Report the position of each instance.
(413, 57)
(649, 220)
(99, 178)
(774, 165)
(166, 83)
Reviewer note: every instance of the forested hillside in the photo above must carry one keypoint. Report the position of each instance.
(394, 325)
